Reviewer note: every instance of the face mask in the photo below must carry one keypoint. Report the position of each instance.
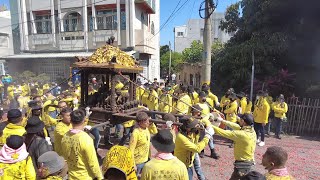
(75, 101)
(281, 100)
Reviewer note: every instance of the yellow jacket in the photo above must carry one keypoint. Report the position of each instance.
(244, 140)
(78, 150)
(22, 170)
(261, 111)
(153, 103)
(46, 87)
(144, 97)
(11, 129)
(119, 85)
(243, 105)
(139, 93)
(184, 103)
(214, 98)
(140, 143)
(231, 111)
(186, 147)
(205, 108)
(279, 109)
(223, 101)
(10, 91)
(59, 132)
(173, 168)
(249, 108)
(128, 124)
(165, 103)
(194, 98)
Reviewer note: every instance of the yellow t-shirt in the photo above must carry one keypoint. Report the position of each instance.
(186, 147)
(164, 170)
(19, 170)
(11, 129)
(59, 132)
(78, 150)
(231, 111)
(140, 143)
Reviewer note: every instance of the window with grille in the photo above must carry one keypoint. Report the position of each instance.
(43, 24)
(72, 22)
(180, 33)
(107, 19)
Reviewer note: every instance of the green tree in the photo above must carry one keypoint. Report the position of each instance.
(28, 77)
(283, 35)
(176, 60)
(194, 53)
(164, 49)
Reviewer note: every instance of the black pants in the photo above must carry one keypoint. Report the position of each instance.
(259, 128)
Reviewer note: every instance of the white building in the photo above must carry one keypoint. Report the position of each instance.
(6, 44)
(193, 31)
(52, 32)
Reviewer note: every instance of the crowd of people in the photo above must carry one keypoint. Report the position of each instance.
(46, 135)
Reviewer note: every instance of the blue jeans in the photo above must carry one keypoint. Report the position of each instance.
(197, 167)
(126, 134)
(259, 130)
(278, 124)
(139, 168)
(95, 132)
(190, 172)
(211, 143)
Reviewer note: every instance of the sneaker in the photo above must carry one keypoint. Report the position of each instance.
(258, 141)
(261, 143)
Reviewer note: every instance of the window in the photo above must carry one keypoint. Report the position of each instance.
(43, 24)
(123, 19)
(4, 41)
(107, 19)
(191, 79)
(180, 33)
(72, 22)
(152, 28)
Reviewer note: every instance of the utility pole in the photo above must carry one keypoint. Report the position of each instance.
(206, 73)
(169, 74)
(252, 76)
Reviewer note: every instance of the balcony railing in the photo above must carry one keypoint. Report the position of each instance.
(148, 5)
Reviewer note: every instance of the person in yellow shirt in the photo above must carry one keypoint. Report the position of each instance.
(62, 128)
(280, 109)
(161, 167)
(187, 144)
(231, 108)
(119, 164)
(184, 102)
(214, 98)
(153, 102)
(165, 102)
(140, 140)
(139, 90)
(193, 95)
(52, 166)
(10, 91)
(243, 102)
(15, 162)
(244, 137)
(225, 99)
(261, 116)
(14, 126)
(274, 160)
(78, 150)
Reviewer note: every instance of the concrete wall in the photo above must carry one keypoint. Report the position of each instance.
(184, 75)
(194, 31)
(6, 31)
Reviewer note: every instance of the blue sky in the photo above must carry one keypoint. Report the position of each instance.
(190, 10)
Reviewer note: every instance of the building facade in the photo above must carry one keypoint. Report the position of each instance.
(53, 31)
(6, 43)
(193, 31)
